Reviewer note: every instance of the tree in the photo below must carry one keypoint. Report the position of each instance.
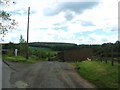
(21, 39)
(22, 46)
(6, 23)
(117, 48)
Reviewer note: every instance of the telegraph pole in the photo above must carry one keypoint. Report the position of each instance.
(27, 53)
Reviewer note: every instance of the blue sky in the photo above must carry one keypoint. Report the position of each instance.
(77, 22)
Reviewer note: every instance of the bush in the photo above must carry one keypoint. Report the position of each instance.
(39, 54)
(10, 52)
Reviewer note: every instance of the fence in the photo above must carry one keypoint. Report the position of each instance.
(108, 59)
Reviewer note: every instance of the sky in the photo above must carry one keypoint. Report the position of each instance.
(70, 21)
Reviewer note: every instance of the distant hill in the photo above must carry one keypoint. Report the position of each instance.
(99, 50)
(53, 45)
(50, 44)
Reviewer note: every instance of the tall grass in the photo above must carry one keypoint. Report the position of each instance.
(20, 59)
(101, 74)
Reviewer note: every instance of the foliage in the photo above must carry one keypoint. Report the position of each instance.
(22, 46)
(104, 50)
(6, 23)
(22, 40)
(11, 47)
(7, 2)
(20, 59)
(53, 45)
(41, 53)
(35, 54)
(101, 74)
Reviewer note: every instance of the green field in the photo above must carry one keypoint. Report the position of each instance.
(101, 74)
(48, 50)
(36, 54)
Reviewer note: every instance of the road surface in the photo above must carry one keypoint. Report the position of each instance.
(44, 75)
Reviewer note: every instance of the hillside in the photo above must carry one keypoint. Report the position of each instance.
(53, 45)
(50, 44)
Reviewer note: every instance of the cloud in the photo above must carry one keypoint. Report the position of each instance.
(77, 7)
(73, 22)
(99, 39)
(14, 36)
(87, 23)
(19, 12)
(68, 8)
(50, 35)
(69, 15)
(76, 28)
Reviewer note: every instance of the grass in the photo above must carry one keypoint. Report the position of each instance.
(33, 58)
(20, 59)
(101, 74)
(48, 50)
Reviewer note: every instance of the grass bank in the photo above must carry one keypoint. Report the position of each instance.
(101, 74)
(20, 59)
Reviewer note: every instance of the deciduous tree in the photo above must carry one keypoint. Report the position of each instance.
(6, 23)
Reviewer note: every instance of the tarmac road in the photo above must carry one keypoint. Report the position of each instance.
(6, 75)
(45, 75)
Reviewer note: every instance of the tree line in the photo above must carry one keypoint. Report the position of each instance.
(104, 50)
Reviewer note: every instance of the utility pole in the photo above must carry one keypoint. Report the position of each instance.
(27, 53)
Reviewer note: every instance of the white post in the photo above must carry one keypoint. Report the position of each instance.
(16, 52)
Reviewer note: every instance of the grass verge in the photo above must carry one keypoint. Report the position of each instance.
(20, 59)
(101, 74)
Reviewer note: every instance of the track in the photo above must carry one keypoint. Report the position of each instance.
(46, 75)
